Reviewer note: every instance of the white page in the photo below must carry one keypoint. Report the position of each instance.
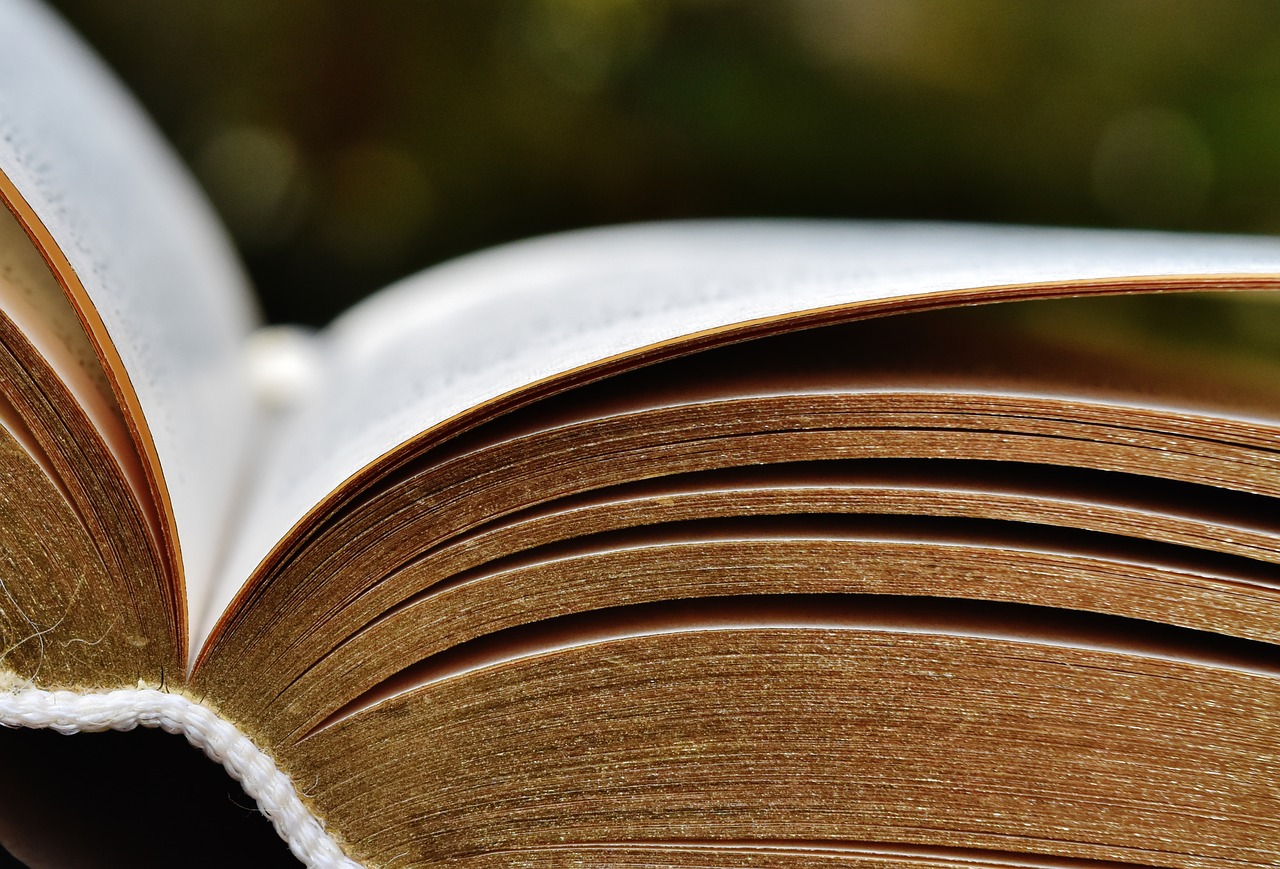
(31, 298)
(144, 247)
(447, 340)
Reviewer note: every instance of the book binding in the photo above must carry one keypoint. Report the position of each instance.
(124, 709)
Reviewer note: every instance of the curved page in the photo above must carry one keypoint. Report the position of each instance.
(460, 336)
(145, 265)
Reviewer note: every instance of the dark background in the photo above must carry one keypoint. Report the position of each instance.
(144, 799)
(348, 144)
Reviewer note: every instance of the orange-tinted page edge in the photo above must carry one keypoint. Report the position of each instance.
(120, 384)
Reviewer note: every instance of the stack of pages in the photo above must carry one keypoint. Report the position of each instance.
(711, 544)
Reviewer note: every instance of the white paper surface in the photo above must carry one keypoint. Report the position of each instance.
(31, 298)
(149, 255)
(457, 336)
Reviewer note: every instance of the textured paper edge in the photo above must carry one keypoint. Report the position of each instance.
(124, 709)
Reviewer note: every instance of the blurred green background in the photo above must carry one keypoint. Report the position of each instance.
(348, 144)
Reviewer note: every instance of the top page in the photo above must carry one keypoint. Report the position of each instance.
(460, 336)
(150, 272)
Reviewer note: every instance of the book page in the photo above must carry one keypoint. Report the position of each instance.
(32, 299)
(462, 335)
(140, 257)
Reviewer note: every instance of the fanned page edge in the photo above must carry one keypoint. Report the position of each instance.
(70, 712)
(121, 224)
(642, 293)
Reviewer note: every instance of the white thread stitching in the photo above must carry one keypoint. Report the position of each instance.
(125, 709)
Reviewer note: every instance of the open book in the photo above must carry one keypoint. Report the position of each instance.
(748, 544)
